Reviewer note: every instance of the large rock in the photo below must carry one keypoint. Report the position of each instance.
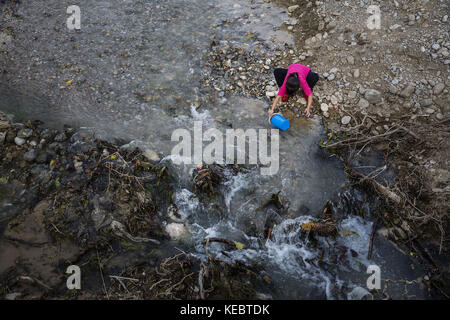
(373, 96)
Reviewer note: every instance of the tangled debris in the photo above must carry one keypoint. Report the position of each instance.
(208, 177)
(182, 277)
(94, 202)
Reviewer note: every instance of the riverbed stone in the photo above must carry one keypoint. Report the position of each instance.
(25, 133)
(352, 94)
(151, 155)
(19, 141)
(437, 90)
(4, 125)
(61, 137)
(177, 231)
(346, 120)
(293, 8)
(324, 107)
(373, 96)
(425, 103)
(408, 90)
(363, 103)
(30, 155)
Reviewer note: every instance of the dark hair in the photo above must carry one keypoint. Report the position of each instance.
(292, 84)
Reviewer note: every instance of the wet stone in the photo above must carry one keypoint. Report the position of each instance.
(42, 157)
(61, 137)
(25, 133)
(30, 155)
(19, 141)
(346, 120)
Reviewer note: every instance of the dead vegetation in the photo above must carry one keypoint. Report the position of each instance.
(411, 202)
(181, 277)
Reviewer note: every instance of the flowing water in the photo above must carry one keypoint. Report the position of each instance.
(136, 68)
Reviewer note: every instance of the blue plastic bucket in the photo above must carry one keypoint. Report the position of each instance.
(280, 122)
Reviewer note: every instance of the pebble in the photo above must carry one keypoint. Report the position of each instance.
(373, 96)
(333, 100)
(351, 60)
(61, 137)
(331, 77)
(177, 231)
(352, 94)
(19, 141)
(334, 70)
(425, 103)
(356, 73)
(4, 124)
(346, 120)
(25, 133)
(439, 116)
(30, 155)
(363, 103)
(324, 107)
(436, 47)
(430, 111)
(332, 25)
(43, 157)
(270, 94)
(2, 137)
(151, 155)
(438, 88)
(408, 90)
(293, 8)
(393, 89)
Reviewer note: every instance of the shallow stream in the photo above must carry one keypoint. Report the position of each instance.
(136, 70)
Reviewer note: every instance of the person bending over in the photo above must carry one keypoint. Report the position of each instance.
(295, 78)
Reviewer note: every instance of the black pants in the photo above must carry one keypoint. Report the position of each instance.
(280, 74)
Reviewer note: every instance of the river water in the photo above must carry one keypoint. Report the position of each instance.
(136, 69)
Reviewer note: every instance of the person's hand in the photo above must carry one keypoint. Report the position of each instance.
(307, 113)
(270, 114)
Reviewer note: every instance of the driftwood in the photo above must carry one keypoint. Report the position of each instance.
(372, 236)
(382, 190)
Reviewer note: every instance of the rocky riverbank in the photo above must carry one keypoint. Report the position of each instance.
(68, 198)
(382, 91)
(81, 200)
